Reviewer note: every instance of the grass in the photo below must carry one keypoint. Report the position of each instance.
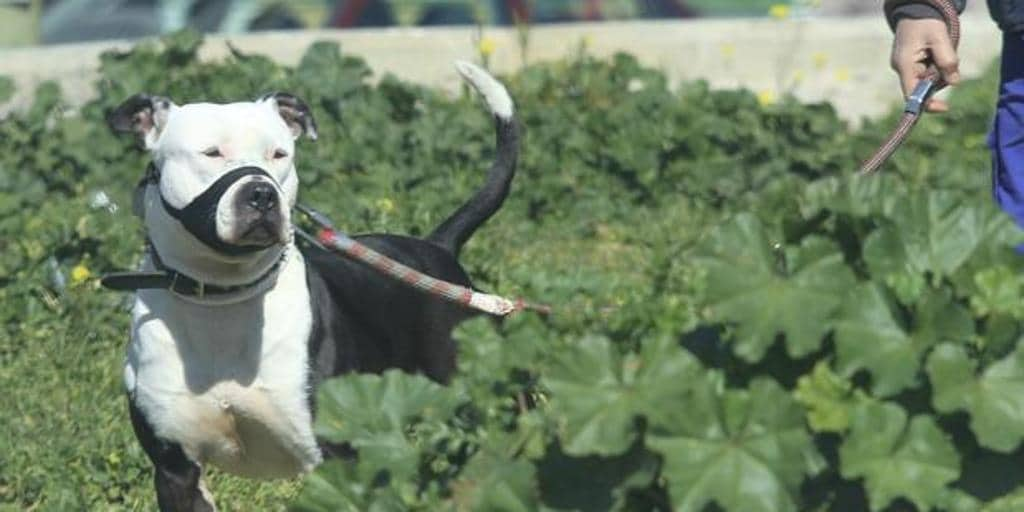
(67, 442)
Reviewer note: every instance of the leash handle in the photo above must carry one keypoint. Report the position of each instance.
(915, 102)
(930, 83)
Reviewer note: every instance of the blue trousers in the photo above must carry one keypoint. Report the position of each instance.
(1007, 137)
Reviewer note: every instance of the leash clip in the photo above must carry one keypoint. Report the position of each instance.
(917, 98)
(318, 218)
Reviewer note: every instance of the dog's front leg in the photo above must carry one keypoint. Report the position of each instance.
(178, 479)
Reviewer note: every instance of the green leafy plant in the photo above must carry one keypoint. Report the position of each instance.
(740, 323)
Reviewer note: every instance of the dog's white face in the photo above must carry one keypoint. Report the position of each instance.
(203, 142)
(226, 176)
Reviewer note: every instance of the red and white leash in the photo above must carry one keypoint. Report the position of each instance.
(336, 241)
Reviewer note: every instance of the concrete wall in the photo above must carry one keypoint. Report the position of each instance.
(841, 59)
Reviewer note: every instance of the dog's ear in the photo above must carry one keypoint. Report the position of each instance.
(143, 115)
(294, 111)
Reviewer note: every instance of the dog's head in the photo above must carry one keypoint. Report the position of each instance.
(224, 174)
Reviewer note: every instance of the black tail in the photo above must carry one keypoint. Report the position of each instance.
(456, 229)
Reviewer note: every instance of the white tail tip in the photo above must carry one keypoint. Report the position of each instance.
(495, 94)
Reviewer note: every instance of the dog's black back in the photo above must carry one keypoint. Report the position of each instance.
(367, 322)
(364, 321)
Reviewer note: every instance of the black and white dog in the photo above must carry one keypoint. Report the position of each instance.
(234, 325)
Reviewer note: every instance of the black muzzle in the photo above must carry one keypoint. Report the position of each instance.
(200, 216)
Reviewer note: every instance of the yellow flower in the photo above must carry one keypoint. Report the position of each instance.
(842, 75)
(798, 76)
(820, 60)
(766, 97)
(728, 50)
(587, 41)
(80, 273)
(779, 11)
(486, 46)
(385, 205)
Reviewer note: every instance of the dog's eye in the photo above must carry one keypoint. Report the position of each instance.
(212, 152)
(279, 154)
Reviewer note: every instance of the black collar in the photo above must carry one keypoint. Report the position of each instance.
(170, 279)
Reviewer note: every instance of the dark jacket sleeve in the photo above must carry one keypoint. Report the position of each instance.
(896, 10)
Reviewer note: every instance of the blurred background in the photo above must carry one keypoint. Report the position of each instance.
(814, 50)
(25, 22)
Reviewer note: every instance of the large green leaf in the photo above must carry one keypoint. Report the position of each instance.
(495, 482)
(765, 292)
(598, 394)
(994, 398)
(488, 355)
(377, 414)
(742, 449)
(934, 232)
(870, 337)
(895, 458)
(335, 487)
(852, 195)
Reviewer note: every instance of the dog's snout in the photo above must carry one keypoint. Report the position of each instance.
(262, 197)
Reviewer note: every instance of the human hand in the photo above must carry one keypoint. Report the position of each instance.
(918, 43)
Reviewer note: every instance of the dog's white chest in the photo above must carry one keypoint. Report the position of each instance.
(228, 383)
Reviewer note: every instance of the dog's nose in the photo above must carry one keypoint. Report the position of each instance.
(262, 197)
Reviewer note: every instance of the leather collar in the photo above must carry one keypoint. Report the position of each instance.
(171, 279)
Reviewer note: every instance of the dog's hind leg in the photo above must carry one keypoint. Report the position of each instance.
(178, 479)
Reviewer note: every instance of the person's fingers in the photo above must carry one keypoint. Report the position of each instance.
(909, 50)
(945, 58)
(936, 106)
(910, 72)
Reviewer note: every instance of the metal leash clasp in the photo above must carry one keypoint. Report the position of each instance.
(915, 102)
(321, 221)
(318, 218)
